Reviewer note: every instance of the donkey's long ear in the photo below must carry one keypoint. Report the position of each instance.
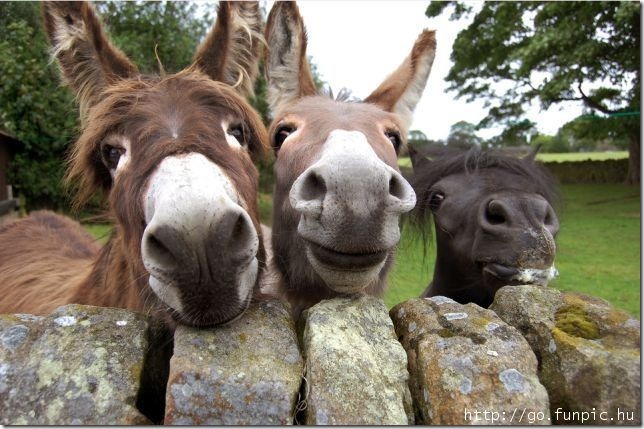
(88, 60)
(418, 160)
(231, 51)
(289, 73)
(532, 155)
(400, 92)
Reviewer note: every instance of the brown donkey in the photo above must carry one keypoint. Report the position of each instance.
(339, 194)
(175, 153)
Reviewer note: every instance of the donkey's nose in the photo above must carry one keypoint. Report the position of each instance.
(196, 229)
(234, 238)
(349, 174)
(309, 191)
(502, 214)
(177, 247)
(402, 197)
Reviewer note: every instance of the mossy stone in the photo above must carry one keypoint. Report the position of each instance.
(573, 319)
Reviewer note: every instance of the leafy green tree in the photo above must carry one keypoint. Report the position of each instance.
(146, 30)
(463, 134)
(551, 144)
(33, 106)
(551, 52)
(515, 134)
(590, 132)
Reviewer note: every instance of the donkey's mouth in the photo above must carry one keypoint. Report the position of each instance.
(512, 275)
(346, 261)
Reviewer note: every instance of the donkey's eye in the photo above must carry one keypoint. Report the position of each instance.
(394, 138)
(281, 134)
(435, 200)
(111, 155)
(237, 131)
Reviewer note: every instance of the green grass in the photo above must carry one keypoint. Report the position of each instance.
(581, 156)
(266, 208)
(598, 249)
(100, 231)
(557, 157)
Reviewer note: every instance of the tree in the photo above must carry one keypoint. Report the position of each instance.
(590, 132)
(146, 30)
(551, 144)
(551, 52)
(514, 135)
(33, 106)
(463, 134)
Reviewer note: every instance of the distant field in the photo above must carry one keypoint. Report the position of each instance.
(558, 157)
(598, 247)
(581, 156)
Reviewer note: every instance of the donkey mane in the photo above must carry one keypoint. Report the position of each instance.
(444, 162)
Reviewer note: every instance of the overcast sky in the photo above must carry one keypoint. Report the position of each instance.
(356, 44)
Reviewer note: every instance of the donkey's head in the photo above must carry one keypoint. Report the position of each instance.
(494, 220)
(175, 153)
(339, 193)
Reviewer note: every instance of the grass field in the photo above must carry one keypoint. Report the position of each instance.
(558, 157)
(598, 247)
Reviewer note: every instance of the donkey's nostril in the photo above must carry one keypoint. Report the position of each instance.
(495, 213)
(240, 241)
(314, 187)
(396, 188)
(157, 246)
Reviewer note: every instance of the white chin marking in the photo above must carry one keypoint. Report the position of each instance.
(345, 281)
(536, 276)
(166, 293)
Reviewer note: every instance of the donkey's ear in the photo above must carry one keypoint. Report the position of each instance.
(400, 92)
(289, 73)
(88, 60)
(532, 155)
(230, 53)
(418, 160)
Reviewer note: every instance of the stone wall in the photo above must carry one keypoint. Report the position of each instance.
(538, 356)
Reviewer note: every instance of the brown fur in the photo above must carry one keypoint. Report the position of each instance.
(295, 103)
(47, 260)
(66, 244)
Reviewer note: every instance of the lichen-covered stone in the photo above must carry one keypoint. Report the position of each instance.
(356, 371)
(467, 366)
(589, 352)
(80, 365)
(246, 373)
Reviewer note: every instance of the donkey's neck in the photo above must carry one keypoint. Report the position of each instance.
(116, 279)
(455, 281)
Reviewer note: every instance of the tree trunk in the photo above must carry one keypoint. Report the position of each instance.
(634, 148)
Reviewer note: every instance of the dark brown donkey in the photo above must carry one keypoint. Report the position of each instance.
(339, 194)
(494, 220)
(175, 153)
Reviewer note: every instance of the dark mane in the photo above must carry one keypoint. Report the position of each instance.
(444, 162)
